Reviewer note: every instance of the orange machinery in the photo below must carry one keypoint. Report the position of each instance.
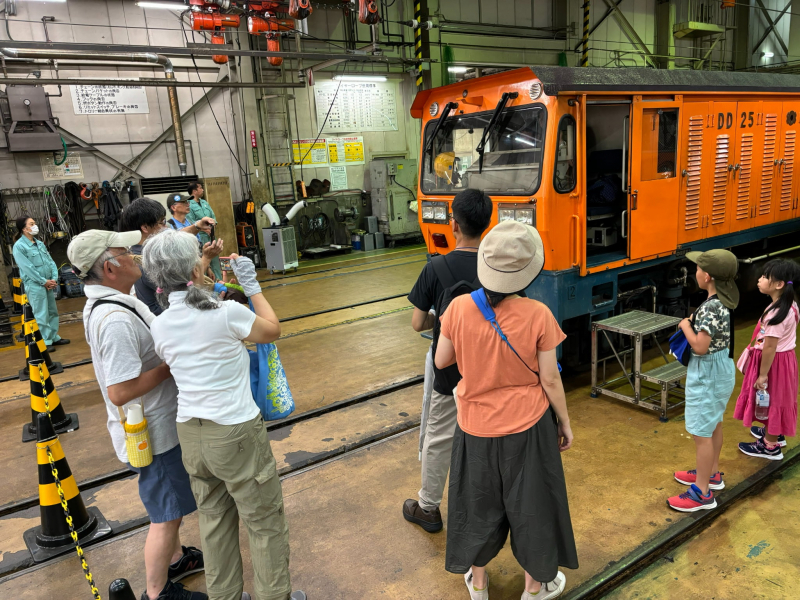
(622, 171)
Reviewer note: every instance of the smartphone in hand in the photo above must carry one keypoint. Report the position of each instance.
(225, 263)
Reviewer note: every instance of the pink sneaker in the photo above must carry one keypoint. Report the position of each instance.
(693, 500)
(690, 477)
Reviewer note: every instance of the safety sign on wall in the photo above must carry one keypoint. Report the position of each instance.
(356, 106)
(72, 167)
(312, 153)
(345, 151)
(116, 99)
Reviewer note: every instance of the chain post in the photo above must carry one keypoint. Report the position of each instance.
(73, 534)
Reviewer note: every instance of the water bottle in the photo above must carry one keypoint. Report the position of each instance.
(762, 405)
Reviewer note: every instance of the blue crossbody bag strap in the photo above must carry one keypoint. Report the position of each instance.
(480, 299)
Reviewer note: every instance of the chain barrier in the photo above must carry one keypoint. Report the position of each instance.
(73, 534)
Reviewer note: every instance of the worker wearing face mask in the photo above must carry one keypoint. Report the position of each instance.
(40, 278)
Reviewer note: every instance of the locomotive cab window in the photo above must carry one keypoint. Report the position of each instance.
(659, 143)
(564, 177)
(512, 157)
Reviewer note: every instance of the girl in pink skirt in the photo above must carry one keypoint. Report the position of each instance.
(772, 363)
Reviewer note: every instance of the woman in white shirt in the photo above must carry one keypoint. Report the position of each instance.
(222, 434)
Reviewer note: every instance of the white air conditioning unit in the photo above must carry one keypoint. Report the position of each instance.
(280, 248)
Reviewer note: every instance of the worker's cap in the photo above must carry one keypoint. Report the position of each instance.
(176, 198)
(85, 248)
(722, 265)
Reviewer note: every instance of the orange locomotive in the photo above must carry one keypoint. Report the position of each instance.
(622, 171)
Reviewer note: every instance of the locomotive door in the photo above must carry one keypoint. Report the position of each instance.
(697, 163)
(767, 197)
(752, 169)
(654, 181)
(786, 184)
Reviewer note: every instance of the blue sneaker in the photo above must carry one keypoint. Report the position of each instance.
(758, 433)
(759, 450)
(693, 500)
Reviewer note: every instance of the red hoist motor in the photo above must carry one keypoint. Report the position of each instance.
(368, 12)
(270, 26)
(216, 22)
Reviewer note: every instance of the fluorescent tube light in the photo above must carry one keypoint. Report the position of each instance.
(458, 69)
(769, 54)
(359, 78)
(162, 5)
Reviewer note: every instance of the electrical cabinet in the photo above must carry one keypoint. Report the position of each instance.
(394, 194)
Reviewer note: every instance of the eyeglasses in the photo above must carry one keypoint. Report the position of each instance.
(127, 251)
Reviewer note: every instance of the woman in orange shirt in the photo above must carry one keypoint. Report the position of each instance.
(506, 471)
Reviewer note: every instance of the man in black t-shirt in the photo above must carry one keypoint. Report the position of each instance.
(472, 213)
(148, 216)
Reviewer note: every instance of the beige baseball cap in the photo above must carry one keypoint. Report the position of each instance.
(85, 248)
(510, 257)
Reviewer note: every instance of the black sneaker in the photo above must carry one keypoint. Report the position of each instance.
(61, 342)
(429, 520)
(759, 450)
(758, 433)
(191, 562)
(176, 591)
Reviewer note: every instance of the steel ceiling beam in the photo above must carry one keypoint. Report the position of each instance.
(147, 82)
(630, 32)
(771, 28)
(137, 160)
(196, 50)
(608, 13)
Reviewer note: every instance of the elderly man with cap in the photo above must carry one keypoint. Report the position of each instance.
(506, 471)
(710, 378)
(129, 371)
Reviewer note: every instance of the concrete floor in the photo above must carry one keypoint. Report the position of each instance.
(752, 551)
(348, 537)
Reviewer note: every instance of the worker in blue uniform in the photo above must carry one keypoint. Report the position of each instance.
(40, 277)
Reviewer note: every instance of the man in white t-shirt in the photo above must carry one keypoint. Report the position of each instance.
(129, 371)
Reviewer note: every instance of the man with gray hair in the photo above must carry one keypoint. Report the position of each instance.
(128, 370)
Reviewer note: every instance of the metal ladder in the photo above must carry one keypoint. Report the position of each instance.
(278, 135)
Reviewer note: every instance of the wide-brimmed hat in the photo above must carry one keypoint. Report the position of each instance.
(722, 265)
(510, 257)
(85, 248)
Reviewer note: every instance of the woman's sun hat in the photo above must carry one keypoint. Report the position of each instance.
(510, 257)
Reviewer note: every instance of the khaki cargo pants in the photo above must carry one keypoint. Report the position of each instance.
(233, 474)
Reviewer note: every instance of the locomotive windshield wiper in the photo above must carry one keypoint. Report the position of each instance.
(445, 114)
(492, 125)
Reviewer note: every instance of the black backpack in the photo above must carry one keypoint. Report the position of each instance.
(447, 378)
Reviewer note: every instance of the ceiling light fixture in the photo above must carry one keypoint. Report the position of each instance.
(377, 78)
(767, 54)
(458, 69)
(162, 5)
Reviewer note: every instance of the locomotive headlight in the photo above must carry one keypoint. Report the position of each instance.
(524, 216)
(505, 214)
(435, 212)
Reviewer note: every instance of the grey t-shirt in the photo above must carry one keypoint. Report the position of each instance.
(122, 348)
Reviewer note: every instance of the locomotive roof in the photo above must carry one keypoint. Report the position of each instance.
(577, 79)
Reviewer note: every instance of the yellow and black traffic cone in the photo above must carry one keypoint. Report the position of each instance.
(44, 397)
(120, 589)
(24, 300)
(16, 290)
(32, 334)
(60, 503)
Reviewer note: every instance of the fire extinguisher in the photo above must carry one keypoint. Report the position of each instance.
(368, 12)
